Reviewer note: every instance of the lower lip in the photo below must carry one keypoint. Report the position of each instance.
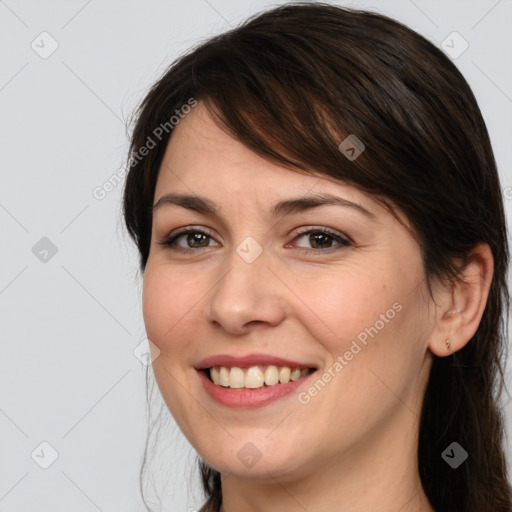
(249, 398)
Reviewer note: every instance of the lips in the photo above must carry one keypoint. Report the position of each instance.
(251, 381)
(249, 398)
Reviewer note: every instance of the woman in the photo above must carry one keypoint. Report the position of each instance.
(321, 232)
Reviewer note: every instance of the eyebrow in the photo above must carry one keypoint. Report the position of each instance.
(296, 205)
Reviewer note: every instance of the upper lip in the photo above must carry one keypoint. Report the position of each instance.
(248, 361)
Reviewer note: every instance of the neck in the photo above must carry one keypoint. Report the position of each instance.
(383, 475)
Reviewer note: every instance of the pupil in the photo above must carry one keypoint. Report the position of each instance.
(195, 237)
(315, 237)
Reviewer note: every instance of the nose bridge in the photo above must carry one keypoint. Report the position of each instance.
(247, 291)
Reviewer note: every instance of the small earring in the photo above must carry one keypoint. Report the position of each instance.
(448, 344)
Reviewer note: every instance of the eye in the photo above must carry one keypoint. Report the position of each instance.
(321, 239)
(195, 239)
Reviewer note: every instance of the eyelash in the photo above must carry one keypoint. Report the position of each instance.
(343, 242)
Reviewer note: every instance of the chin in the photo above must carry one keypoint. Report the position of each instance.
(244, 459)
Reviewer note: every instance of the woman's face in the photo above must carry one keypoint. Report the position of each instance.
(252, 280)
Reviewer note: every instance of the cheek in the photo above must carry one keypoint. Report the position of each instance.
(369, 318)
(169, 303)
(343, 305)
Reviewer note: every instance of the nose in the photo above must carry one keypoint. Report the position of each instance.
(246, 294)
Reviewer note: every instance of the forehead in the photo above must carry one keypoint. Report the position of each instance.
(199, 150)
(202, 159)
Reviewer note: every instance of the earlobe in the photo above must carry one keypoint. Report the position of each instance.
(460, 314)
(448, 340)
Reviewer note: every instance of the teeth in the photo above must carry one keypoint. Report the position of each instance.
(284, 375)
(214, 374)
(236, 378)
(255, 377)
(271, 376)
(224, 376)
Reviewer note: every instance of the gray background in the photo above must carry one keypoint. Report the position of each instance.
(71, 320)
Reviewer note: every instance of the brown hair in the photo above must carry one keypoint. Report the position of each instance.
(291, 84)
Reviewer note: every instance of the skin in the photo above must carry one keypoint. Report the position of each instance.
(353, 446)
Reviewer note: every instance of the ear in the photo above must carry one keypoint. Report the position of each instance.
(460, 305)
